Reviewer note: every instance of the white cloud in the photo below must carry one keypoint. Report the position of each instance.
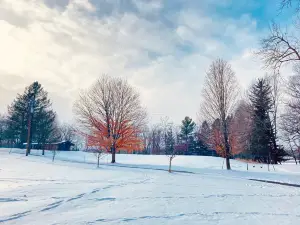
(67, 49)
(81, 4)
(148, 6)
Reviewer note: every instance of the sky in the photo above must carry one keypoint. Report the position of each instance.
(163, 48)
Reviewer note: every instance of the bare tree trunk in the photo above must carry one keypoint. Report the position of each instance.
(226, 142)
(29, 135)
(227, 151)
(98, 160)
(113, 155)
(293, 153)
(295, 159)
(170, 165)
(53, 156)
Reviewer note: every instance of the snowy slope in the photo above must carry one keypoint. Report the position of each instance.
(289, 173)
(33, 190)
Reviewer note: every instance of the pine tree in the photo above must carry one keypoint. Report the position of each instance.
(187, 132)
(43, 116)
(169, 142)
(263, 143)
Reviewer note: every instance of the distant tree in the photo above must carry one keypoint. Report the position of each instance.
(170, 139)
(216, 138)
(55, 136)
(220, 95)
(290, 119)
(198, 146)
(205, 133)
(110, 104)
(187, 133)
(241, 127)
(170, 149)
(46, 128)
(276, 84)
(67, 132)
(2, 128)
(260, 97)
(156, 140)
(263, 144)
(42, 120)
(7, 136)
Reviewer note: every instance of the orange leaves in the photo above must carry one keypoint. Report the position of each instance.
(217, 140)
(122, 136)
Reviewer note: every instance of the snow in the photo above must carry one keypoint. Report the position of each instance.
(33, 190)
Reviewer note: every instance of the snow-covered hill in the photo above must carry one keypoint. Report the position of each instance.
(33, 190)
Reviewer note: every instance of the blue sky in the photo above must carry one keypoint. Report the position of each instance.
(162, 47)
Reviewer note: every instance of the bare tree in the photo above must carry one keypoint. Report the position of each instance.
(55, 136)
(67, 132)
(54, 152)
(279, 48)
(241, 126)
(276, 83)
(293, 145)
(155, 139)
(3, 123)
(110, 101)
(289, 4)
(170, 135)
(220, 96)
(98, 152)
(290, 119)
(282, 47)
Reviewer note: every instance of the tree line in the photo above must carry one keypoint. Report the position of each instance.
(262, 125)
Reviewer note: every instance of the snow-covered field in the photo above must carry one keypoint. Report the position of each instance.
(33, 190)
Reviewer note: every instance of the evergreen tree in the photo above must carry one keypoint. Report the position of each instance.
(187, 132)
(43, 116)
(169, 142)
(263, 143)
(199, 146)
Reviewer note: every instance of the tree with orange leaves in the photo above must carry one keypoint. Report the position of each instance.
(216, 139)
(112, 114)
(128, 139)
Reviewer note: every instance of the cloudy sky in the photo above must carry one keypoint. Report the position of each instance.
(163, 48)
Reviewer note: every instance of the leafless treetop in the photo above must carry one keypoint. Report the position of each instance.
(220, 91)
(110, 98)
(279, 48)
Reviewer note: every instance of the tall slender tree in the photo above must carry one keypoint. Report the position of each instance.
(220, 95)
(260, 97)
(263, 144)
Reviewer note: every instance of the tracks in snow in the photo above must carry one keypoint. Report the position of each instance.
(59, 203)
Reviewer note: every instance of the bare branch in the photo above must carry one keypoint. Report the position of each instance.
(278, 49)
(220, 95)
